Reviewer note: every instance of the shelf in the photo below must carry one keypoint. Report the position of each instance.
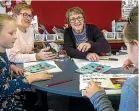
(56, 41)
(62, 42)
(115, 41)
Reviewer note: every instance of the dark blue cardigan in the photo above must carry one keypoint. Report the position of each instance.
(98, 43)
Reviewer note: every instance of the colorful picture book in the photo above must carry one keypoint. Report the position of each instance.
(117, 82)
(40, 66)
(111, 81)
(93, 67)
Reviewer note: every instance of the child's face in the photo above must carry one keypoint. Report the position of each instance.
(133, 53)
(7, 34)
(24, 18)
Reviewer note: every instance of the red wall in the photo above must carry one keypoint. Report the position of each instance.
(101, 13)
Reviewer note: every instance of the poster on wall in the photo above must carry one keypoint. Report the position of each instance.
(34, 24)
(127, 6)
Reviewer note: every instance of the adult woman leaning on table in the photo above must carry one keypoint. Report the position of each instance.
(81, 40)
(22, 50)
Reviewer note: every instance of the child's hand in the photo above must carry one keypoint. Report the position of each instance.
(39, 77)
(92, 89)
(17, 70)
(128, 64)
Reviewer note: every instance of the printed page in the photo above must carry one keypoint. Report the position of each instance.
(50, 70)
(114, 64)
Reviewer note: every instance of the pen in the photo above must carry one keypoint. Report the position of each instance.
(60, 82)
(111, 59)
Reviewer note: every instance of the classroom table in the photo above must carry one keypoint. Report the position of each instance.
(71, 88)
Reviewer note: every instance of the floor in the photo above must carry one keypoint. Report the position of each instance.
(62, 103)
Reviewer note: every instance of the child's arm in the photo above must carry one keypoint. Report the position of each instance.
(98, 97)
(17, 70)
(8, 86)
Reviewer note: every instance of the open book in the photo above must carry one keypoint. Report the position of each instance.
(112, 81)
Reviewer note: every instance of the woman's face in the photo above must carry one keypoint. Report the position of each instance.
(133, 50)
(76, 21)
(7, 34)
(24, 18)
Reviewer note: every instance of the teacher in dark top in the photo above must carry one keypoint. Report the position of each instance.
(81, 40)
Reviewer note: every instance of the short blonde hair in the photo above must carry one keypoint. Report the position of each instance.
(17, 9)
(76, 10)
(4, 17)
(130, 32)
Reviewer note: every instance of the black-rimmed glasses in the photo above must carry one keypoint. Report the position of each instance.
(73, 20)
(26, 15)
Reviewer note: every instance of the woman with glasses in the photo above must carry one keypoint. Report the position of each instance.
(129, 93)
(82, 40)
(22, 50)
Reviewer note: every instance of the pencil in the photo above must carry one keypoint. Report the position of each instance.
(59, 82)
(111, 59)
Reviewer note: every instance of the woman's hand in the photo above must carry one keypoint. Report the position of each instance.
(92, 57)
(84, 47)
(45, 55)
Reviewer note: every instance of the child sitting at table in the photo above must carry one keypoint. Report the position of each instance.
(9, 101)
(129, 92)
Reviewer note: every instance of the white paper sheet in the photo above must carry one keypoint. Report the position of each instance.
(114, 64)
(57, 69)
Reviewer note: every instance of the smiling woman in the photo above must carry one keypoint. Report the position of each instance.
(81, 40)
(22, 50)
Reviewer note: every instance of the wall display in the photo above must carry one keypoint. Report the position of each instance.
(119, 26)
(127, 6)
